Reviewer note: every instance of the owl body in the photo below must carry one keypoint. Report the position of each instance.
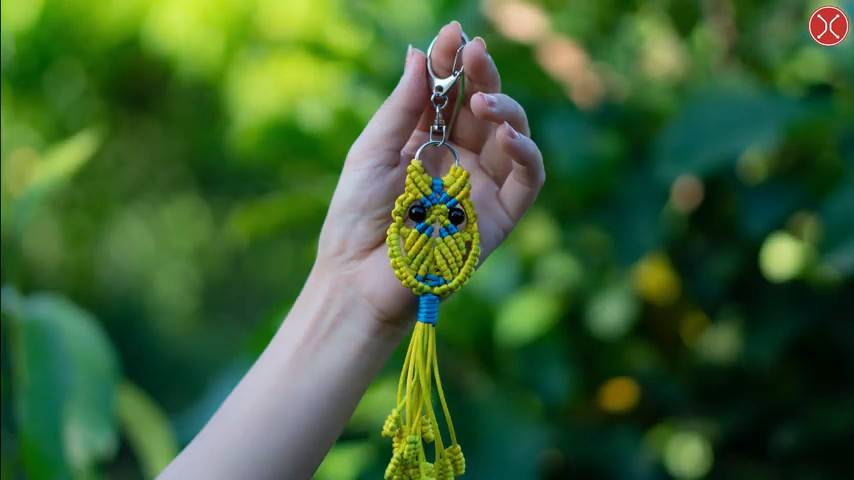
(433, 241)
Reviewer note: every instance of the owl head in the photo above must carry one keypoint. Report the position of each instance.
(433, 242)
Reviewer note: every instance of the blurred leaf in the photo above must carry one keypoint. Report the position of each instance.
(634, 215)
(62, 160)
(375, 404)
(715, 127)
(525, 316)
(20, 16)
(559, 272)
(345, 461)
(147, 429)
(498, 275)
(58, 164)
(65, 373)
(263, 217)
(581, 154)
(537, 233)
(37, 372)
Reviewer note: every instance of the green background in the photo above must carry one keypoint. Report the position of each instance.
(677, 304)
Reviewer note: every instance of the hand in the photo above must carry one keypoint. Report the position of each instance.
(492, 136)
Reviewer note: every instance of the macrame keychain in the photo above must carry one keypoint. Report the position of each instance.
(432, 266)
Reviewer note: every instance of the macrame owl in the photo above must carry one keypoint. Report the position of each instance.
(434, 247)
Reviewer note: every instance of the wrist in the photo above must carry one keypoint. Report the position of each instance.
(332, 301)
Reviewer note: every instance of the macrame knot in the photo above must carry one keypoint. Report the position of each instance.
(458, 461)
(428, 308)
(444, 471)
(395, 467)
(427, 429)
(392, 424)
(410, 450)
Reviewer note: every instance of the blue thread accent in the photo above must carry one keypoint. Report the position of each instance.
(431, 280)
(452, 203)
(447, 230)
(428, 308)
(426, 202)
(424, 228)
(435, 280)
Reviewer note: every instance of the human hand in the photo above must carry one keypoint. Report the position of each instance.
(491, 134)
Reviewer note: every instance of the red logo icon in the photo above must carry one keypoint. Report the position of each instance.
(828, 25)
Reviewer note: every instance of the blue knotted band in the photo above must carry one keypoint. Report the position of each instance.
(428, 308)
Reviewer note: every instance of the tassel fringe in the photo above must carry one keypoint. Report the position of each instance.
(413, 422)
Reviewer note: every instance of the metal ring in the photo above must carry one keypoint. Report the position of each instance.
(437, 143)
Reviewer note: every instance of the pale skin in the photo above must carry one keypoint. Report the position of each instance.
(286, 412)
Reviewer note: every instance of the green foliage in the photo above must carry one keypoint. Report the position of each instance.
(147, 429)
(538, 307)
(676, 305)
(65, 372)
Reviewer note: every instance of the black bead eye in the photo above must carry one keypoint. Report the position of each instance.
(456, 215)
(417, 213)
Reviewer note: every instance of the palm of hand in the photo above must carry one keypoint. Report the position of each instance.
(505, 167)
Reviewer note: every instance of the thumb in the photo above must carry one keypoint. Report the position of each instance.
(393, 124)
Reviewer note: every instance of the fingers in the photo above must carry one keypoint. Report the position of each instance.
(392, 125)
(499, 108)
(496, 109)
(443, 54)
(445, 50)
(481, 76)
(527, 175)
(480, 70)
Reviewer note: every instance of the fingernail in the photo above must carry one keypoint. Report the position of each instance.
(490, 100)
(511, 132)
(454, 22)
(481, 40)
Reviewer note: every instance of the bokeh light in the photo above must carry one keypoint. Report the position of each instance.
(722, 342)
(686, 193)
(688, 455)
(519, 21)
(692, 325)
(618, 395)
(612, 312)
(783, 257)
(526, 316)
(655, 279)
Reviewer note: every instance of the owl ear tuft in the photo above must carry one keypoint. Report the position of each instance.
(415, 168)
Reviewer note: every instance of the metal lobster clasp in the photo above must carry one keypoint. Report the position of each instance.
(439, 85)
